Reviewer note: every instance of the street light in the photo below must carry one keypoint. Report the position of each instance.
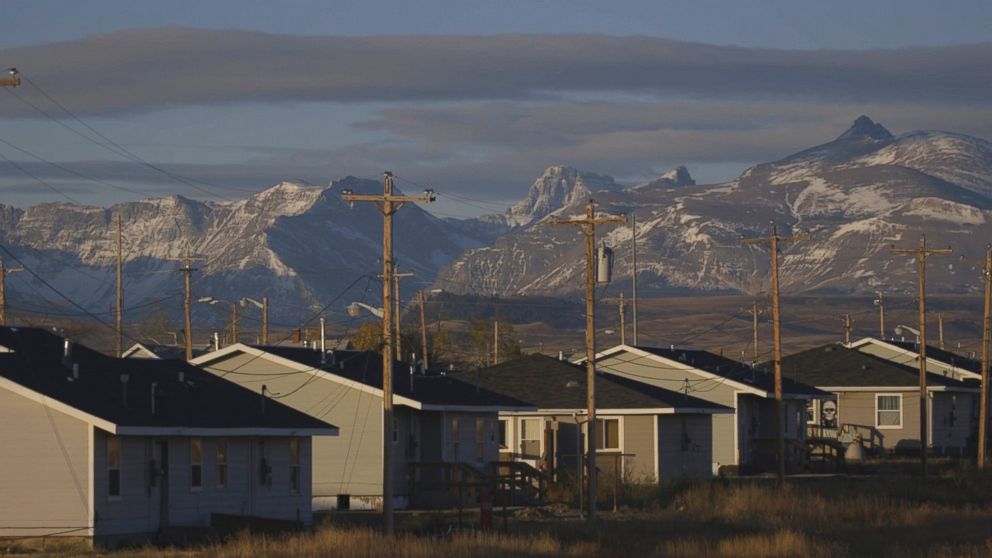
(264, 306)
(355, 310)
(234, 314)
(902, 330)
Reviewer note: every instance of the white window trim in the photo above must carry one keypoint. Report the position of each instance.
(889, 426)
(619, 419)
(816, 413)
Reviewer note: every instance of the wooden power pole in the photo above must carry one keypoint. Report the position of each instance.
(396, 310)
(633, 273)
(921, 253)
(983, 404)
(623, 323)
(940, 331)
(119, 310)
(755, 312)
(880, 302)
(847, 328)
(388, 204)
(187, 271)
(3, 290)
(423, 333)
(588, 226)
(773, 241)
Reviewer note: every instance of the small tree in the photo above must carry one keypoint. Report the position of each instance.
(368, 337)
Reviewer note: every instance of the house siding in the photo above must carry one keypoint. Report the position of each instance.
(45, 459)
(137, 511)
(648, 371)
(347, 464)
(684, 450)
(638, 439)
(858, 409)
(954, 421)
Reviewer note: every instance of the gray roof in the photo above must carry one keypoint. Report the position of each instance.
(760, 377)
(549, 383)
(185, 396)
(837, 366)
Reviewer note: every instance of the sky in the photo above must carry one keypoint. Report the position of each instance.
(128, 99)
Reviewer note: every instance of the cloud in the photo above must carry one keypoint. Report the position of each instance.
(146, 69)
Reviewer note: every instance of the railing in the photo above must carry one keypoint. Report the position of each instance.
(517, 476)
(456, 480)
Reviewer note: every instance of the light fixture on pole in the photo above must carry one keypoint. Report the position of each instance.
(264, 307)
(234, 314)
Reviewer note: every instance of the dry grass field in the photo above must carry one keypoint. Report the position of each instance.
(829, 518)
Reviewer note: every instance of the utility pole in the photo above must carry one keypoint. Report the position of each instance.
(773, 241)
(388, 204)
(755, 312)
(187, 270)
(495, 341)
(588, 226)
(3, 290)
(623, 324)
(983, 404)
(265, 320)
(423, 332)
(847, 328)
(119, 314)
(921, 255)
(396, 309)
(12, 81)
(940, 331)
(880, 302)
(633, 274)
(234, 323)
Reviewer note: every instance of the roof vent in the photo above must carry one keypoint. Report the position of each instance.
(561, 355)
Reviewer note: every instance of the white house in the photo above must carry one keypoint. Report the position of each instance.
(105, 449)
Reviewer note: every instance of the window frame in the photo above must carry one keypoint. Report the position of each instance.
(114, 465)
(601, 434)
(195, 465)
(898, 397)
(503, 433)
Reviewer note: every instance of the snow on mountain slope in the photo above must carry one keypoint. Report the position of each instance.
(857, 195)
(296, 243)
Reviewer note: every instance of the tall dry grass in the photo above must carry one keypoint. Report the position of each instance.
(751, 519)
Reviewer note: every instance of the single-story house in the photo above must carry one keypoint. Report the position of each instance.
(878, 401)
(939, 361)
(438, 421)
(106, 449)
(744, 438)
(158, 351)
(653, 434)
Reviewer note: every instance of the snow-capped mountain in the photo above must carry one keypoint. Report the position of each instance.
(298, 244)
(856, 195)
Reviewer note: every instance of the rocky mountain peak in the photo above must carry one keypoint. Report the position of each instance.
(679, 176)
(865, 128)
(559, 186)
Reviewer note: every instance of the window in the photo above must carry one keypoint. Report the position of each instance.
(811, 412)
(113, 467)
(530, 438)
(221, 463)
(195, 464)
(294, 465)
(503, 423)
(456, 440)
(480, 439)
(608, 434)
(888, 411)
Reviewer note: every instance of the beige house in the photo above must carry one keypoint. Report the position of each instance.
(107, 449)
(744, 437)
(439, 422)
(878, 401)
(644, 433)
